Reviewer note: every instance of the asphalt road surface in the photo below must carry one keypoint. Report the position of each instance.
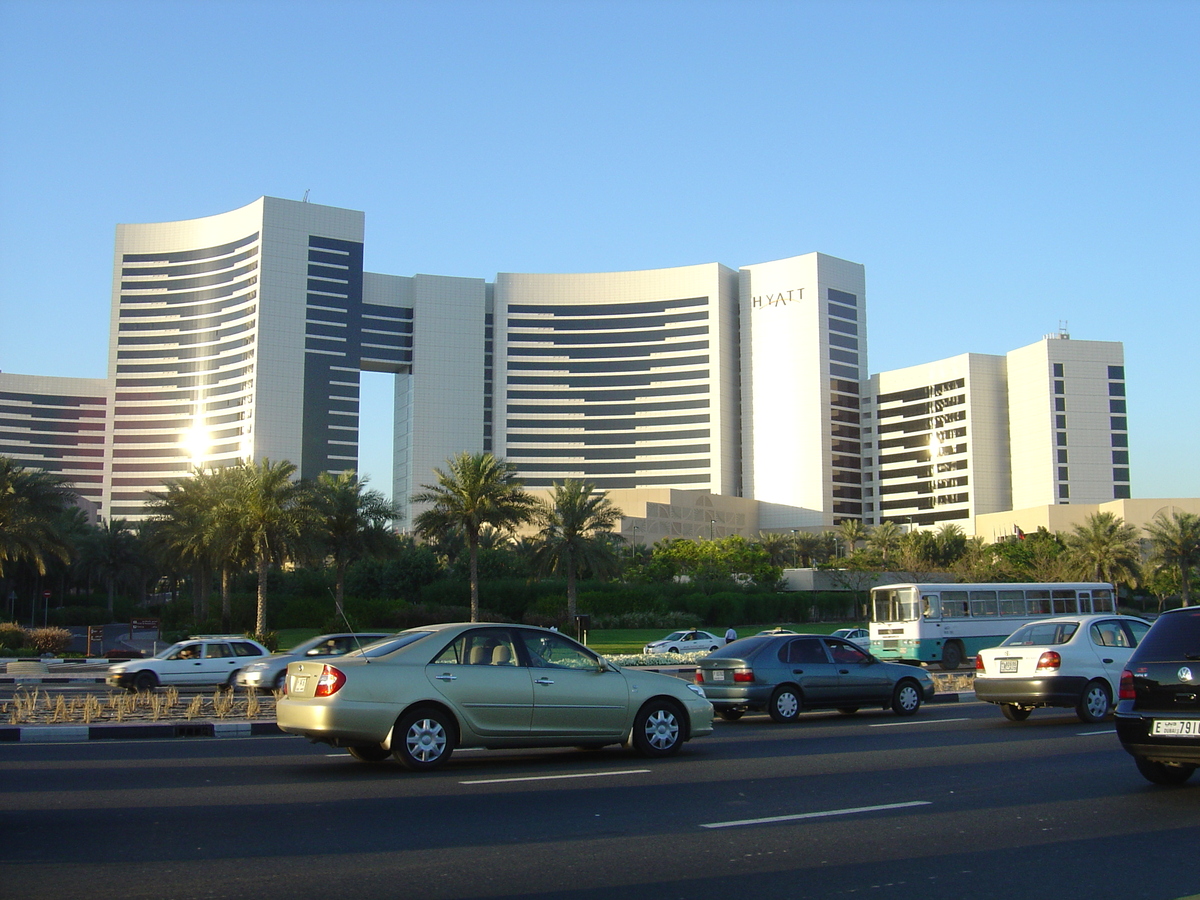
(954, 803)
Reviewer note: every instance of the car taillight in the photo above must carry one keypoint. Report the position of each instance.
(699, 677)
(743, 675)
(330, 682)
(1049, 660)
(979, 664)
(1126, 690)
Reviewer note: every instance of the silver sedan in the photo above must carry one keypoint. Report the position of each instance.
(268, 673)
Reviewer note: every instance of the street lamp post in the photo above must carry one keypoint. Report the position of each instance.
(711, 524)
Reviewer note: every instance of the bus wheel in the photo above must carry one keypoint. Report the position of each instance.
(952, 655)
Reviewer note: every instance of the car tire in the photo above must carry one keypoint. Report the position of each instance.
(1015, 713)
(906, 699)
(785, 704)
(1163, 773)
(423, 739)
(372, 753)
(1096, 702)
(731, 715)
(952, 655)
(279, 680)
(658, 729)
(144, 682)
(672, 649)
(230, 683)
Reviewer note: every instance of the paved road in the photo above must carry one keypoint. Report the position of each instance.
(955, 803)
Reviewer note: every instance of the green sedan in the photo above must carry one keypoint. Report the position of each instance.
(419, 694)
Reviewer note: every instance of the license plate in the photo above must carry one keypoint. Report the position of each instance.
(718, 676)
(1177, 727)
(298, 683)
(1008, 665)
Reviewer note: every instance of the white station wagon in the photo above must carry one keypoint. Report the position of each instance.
(201, 661)
(1068, 661)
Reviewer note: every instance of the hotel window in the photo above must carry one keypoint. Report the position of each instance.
(1064, 492)
(1116, 372)
(1116, 406)
(1060, 421)
(1059, 388)
(1060, 404)
(1058, 370)
(1062, 456)
(1121, 492)
(1116, 389)
(1120, 457)
(1062, 473)
(1120, 474)
(1120, 423)
(1061, 438)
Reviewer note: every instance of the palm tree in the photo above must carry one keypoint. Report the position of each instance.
(184, 519)
(353, 522)
(575, 535)
(807, 546)
(852, 532)
(478, 490)
(780, 547)
(951, 544)
(269, 514)
(112, 553)
(885, 538)
(31, 504)
(1175, 544)
(1104, 548)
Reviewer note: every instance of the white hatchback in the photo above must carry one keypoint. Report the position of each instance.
(205, 661)
(1068, 661)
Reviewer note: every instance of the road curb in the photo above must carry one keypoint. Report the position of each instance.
(44, 734)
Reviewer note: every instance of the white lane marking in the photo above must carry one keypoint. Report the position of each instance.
(816, 815)
(557, 777)
(918, 722)
(1089, 733)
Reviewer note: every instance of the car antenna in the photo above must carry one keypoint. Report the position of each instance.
(341, 611)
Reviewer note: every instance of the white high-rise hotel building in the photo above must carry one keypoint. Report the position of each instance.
(242, 335)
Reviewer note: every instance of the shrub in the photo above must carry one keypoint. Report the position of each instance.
(50, 640)
(12, 636)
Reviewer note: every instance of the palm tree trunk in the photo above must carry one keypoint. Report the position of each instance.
(226, 598)
(473, 553)
(340, 592)
(260, 620)
(571, 588)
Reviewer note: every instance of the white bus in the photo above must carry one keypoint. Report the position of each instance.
(948, 623)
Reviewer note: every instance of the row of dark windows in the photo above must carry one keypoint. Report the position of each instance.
(610, 468)
(590, 310)
(46, 425)
(696, 390)
(836, 296)
(921, 393)
(581, 380)
(573, 367)
(649, 321)
(171, 285)
(178, 304)
(609, 483)
(189, 255)
(607, 453)
(643, 351)
(638, 422)
(845, 312)
(198, 351)
(176, 339)
(44, 401)
(181, 367)
(179, 322)
(593, 439)
(75, 455)
(194, 268)
(619, 338)
(627, 409)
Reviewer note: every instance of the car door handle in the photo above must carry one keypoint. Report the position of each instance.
(543, 680)
(1107, 662)
(446, 677)
(797, 671)
(843, 671)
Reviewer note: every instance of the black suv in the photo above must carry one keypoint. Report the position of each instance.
(1158, 716)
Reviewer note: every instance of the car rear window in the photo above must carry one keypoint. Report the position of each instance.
(1174, 636)
(391, 645)
(1041, 634)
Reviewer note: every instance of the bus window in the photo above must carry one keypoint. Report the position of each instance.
(983, 603)
(1012, 603)
(1064, 602)
(1085, 601)
(894, 606)
(1102, 602)
(954, 604)
(931, 607)
(1037, 603)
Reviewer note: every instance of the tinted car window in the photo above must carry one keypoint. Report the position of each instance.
(390, 646)
(1176, 635)
(844, 652)
(804, 650)
(219, 650)
(1041, 634)
(241, 648)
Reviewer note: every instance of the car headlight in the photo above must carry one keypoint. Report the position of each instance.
(255, 667)
(696, 689)
(116, 670)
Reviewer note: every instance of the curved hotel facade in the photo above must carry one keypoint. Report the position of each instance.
(242, 336)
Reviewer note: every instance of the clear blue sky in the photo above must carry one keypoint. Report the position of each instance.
(998, 167)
